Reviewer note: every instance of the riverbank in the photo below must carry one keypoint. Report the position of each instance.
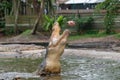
(112, 55)
(30, 47)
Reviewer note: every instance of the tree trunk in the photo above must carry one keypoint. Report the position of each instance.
(39, 19)
(28, 7)
(16, 13)
(35, 7)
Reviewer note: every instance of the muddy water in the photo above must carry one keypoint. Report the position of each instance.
(73, 68)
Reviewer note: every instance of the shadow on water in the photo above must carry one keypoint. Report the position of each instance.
(73, 68)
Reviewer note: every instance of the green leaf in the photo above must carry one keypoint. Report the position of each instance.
(60, 18)
(47, 26)
(47, 18)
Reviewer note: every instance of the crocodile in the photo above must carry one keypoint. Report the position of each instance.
(51, 62)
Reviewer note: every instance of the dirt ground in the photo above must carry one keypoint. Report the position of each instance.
(41, 38)
(24, 38)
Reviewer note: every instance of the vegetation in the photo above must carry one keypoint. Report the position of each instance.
(9, 31)
(90, 34)
(117, 35)
(83, 24)
(111, 7)
(3, 6)
(49, 21)
(27, 32)
(17, 7)
(41, 11)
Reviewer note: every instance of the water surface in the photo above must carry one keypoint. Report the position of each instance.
(73, 68)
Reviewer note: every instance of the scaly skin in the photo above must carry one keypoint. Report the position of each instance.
(51, 63)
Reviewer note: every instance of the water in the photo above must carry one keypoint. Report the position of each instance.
(81, 68)
(73, 68)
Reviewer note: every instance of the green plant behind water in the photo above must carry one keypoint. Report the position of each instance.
(111, 7)
(27, 32)
(49, 21)
(9, 31)
(117, 35)
(83, 24)
(88, 35)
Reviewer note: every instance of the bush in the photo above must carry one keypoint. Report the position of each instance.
(2, 26)
(9, 31)
(84, 24)
(111, 7)
(50, 21)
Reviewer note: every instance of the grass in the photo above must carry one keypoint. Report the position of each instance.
(87, 35)
(117, 36)
(27, 32)
(93, 35)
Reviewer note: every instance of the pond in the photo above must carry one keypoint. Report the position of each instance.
(74, 67)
